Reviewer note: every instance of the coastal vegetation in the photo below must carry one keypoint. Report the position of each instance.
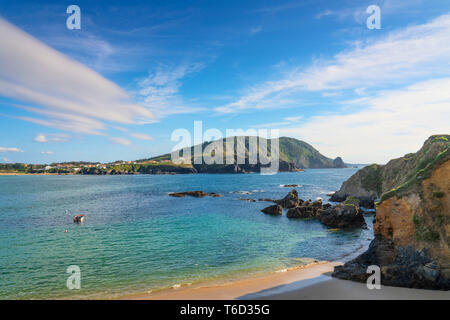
(294, 155)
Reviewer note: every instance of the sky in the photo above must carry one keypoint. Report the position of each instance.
(136, 71)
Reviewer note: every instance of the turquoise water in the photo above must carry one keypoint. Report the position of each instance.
(137, 238)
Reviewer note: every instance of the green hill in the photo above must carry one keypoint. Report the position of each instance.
(292, 151)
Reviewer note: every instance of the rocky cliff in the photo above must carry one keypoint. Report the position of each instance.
(412, 222)
(371, 182)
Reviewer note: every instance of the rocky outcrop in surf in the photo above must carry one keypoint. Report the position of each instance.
(345, 215)
(412, 224)
(274, 210)
(195, 194)
(342, 216)
(291, 200)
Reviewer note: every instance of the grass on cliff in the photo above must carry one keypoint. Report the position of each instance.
(373, 180)
(423, 232)
(423, 171)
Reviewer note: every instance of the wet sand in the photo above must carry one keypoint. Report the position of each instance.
(310, 282)
(237, 289)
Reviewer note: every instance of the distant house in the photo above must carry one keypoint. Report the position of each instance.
(48, 167)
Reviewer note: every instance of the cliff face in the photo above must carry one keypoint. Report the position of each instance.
(412, 229)
(371, 182)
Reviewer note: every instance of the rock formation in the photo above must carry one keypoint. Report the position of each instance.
(369, 183)
(291, 200)
(339, 163)
(274, 210)
(345, 215)
(342, 216)
(196, 194)
(412, 223)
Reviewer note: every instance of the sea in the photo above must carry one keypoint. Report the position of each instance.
(138, 239)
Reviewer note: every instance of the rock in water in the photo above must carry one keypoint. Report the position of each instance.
(306, 209)
(412, 225)
(289, 201)
(301, 212)
(342, 216)
(339, 163)
(274, 210)
(196, 194)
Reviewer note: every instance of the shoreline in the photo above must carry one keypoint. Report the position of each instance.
(234, 289)
(311, 281)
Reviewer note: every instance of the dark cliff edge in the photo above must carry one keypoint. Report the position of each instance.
(412, 221)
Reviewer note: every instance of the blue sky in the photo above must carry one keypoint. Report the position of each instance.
(138, 70)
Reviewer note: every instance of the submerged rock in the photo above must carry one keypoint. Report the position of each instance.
(266, 199)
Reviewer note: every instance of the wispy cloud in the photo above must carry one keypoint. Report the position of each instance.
(54, 137)
(3, 149)
(122, 141)
(47, 152)
(4, 159)
(405, 55)
(255, 30)
(66, 94)
(141, 136)
(160, 90)
(387, 125)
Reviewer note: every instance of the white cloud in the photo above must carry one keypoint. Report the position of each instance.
(68, 95)
(6, 159)
(160, 90)
(255, 30)
(387, 125)
(406, 55)
(3, 149)
(55, 137)
(47, 152)
(141, 136)
(121, 141)
(41, 138)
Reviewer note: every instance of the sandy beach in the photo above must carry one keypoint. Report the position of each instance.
(313, 281)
